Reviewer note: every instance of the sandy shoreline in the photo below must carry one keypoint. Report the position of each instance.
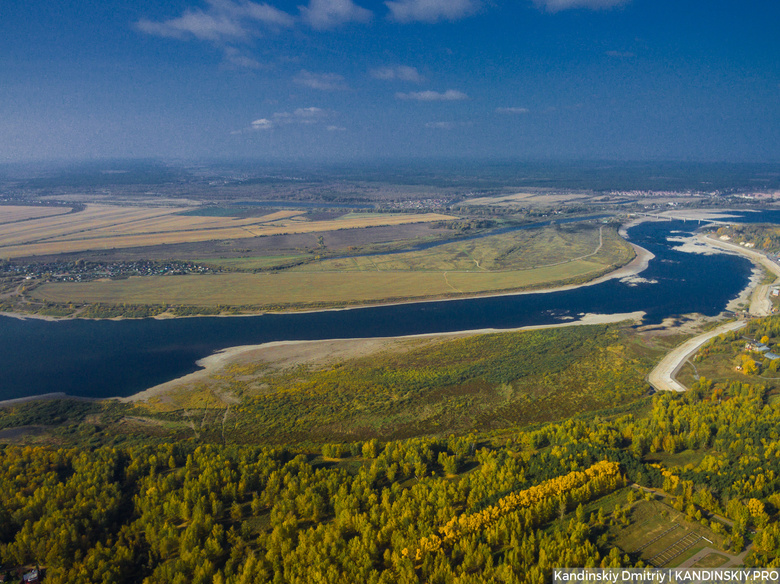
(284, 349)
(220, 359)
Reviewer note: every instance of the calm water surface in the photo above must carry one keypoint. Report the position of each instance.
(119, 358)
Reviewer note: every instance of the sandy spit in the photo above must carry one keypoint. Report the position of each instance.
(298, 351)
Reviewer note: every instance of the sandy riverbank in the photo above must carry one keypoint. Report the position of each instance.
(760, 305)
(292, 353)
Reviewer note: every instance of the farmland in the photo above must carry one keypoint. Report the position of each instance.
(510, 261)
(110, 227)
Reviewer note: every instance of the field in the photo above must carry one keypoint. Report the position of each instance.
(14, 213)
(511, 261)
(109, 227)
(531, 198)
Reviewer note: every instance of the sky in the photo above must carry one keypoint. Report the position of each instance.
(397, 79)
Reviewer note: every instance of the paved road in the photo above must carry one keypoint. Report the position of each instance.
(662, 378)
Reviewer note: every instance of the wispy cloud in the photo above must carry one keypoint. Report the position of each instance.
(324, 14)
(301, 116)
(336, 129)
(321, 81)
(223, 21)
(399, 72)
(620, 54)
(447, 125)
(512, 110)
(235, 58)
(449, 95)
(558, 5)
(430, 10)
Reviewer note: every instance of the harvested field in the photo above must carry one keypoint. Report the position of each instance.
(527, 199)
(13, 213)
(109, 227)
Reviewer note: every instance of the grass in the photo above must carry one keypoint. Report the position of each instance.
(649, 520)
(426, 274)
(679, 459)
(421, 387)
(711, 561)
(519, 250)
(256, 262)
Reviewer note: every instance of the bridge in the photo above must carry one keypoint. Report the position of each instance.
(699, 220)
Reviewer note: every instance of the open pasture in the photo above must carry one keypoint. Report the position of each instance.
(506, 262)
(305, 288)
(111, 227)
(519, 250)
(14, 213)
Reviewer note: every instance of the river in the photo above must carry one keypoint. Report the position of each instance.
(118, 358)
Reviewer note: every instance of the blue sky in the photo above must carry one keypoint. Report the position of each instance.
(341, 80)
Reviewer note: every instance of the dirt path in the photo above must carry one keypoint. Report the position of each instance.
(662, 378)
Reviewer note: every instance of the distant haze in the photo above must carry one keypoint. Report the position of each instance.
(338, 80)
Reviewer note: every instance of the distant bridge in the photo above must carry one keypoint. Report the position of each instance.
(699, 220)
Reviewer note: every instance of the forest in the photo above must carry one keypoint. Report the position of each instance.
(505, 505)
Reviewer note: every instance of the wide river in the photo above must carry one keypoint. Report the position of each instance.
(118, 358)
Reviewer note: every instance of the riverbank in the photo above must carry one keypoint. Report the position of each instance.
(294, 353)
(760, 305)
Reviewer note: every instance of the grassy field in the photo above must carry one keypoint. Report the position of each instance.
(519, 250)
(110, 227)
(507, 262)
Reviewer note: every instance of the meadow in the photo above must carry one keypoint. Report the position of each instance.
(499, 263)
(414, 387)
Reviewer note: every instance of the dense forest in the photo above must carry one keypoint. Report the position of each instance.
(497, 505)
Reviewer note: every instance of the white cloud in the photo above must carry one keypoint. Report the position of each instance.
(620, 54)
(558, 5)
(323, 14)
(302, 115)
(336, 129)
(430, 10)
(512, 110)
(446, 125)
(261, 124)
(399, 72)
(321, 81)
(449, 95)
(222, 21)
